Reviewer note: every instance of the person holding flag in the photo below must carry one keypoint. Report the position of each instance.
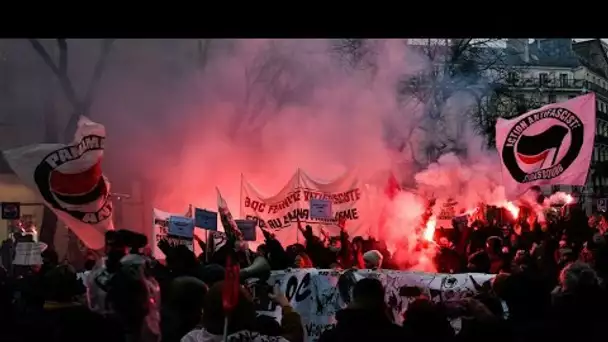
(235, 246)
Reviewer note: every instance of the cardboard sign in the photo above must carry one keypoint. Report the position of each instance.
(11, 210)
(602, 204)
(447, 213)
(320, 209)
(181, 226)
(205, 219)
(247, 227)
(29, 253)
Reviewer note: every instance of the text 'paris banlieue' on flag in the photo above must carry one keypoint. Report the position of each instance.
(551, 145)
(69, 180)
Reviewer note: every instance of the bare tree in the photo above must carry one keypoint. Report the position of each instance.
(203, 47)
(356, 54)
(60, 70)
(473, 68)
(272, 82)
(80, 106)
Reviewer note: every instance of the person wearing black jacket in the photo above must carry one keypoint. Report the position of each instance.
(276, 255)
(366, 318)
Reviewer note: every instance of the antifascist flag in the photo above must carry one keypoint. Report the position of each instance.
(70, 181)
(230, 228)
(548, 146)
(533, 149)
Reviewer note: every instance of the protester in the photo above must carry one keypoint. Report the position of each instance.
(62, 318)
(426, 320)
(372, 259)
(302, 260)
(547, 276)
(242, 323)
(183, 310)
(366, 319)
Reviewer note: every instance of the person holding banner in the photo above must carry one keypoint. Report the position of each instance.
(275, 253)
(242, 322)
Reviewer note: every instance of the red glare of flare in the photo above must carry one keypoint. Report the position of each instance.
(392, 187)
(429, 230)
(512, 209)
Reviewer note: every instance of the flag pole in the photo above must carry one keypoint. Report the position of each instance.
(241, 197)
(206, 246)
(299, 187)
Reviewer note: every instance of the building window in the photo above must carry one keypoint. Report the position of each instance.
(552, 98)
(563, 80)
(594, 153)
(512, 77)
(571, 97)
(542, 77)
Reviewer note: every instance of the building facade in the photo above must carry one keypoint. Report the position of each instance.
(554, 70)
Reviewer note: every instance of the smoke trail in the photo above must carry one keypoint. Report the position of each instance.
(267, 107)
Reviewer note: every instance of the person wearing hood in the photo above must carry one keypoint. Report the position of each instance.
(366, 318)
(275, 253)
(97, 280)
(182, 311)
(64, 319)
(242, 321)
(577, 305)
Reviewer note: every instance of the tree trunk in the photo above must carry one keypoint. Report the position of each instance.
(48, 226)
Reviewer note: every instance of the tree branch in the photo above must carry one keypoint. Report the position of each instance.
(106, 47)
(63, 56)
(85, 106)
(203, 52)
(65, 82)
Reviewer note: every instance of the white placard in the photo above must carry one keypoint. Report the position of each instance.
(320, 209)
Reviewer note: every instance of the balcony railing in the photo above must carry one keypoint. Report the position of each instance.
(549, 82)
(556, 83)
(596, 89)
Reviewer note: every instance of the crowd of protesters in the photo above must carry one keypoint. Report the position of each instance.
(548, 285)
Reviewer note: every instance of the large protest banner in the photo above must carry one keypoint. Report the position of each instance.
(318, 294)
(279, 213)
(551, 145)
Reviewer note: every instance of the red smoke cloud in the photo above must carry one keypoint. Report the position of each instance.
(265, 108)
